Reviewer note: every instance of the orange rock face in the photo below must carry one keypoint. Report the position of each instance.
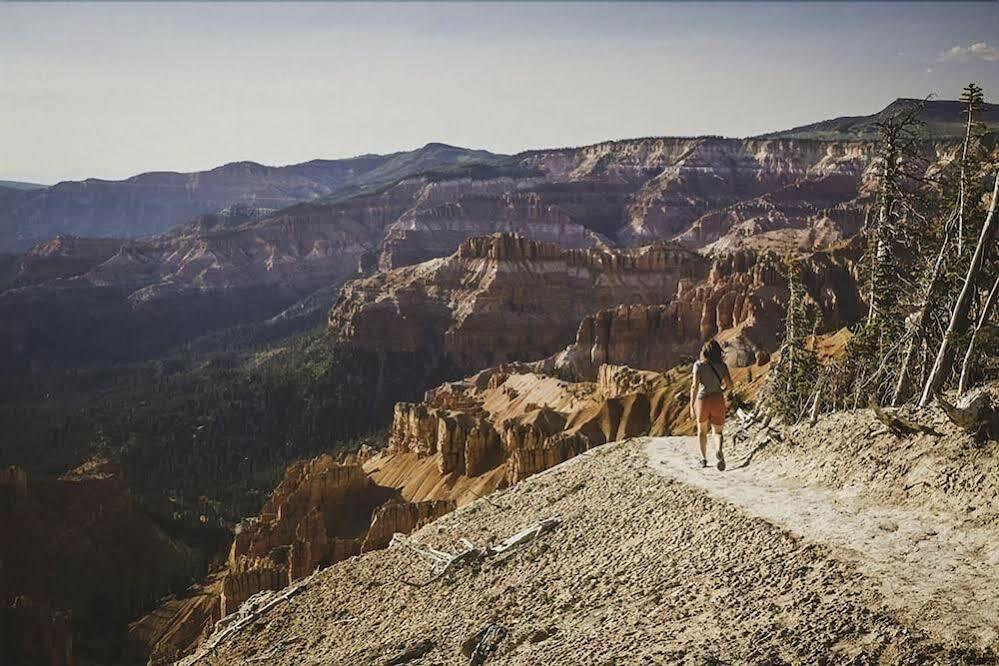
(741, 302)
(524, 422)
(403, 517)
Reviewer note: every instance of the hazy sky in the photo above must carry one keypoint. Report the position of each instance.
(110, 90)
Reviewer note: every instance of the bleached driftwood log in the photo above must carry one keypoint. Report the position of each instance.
(444, 562)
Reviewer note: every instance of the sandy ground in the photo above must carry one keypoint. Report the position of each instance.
(655, 562)
(944, 578)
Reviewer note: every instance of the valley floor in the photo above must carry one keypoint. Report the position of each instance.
(659, 561)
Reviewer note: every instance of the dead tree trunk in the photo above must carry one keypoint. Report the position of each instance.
(962, 385)
(959, 316)
(963, 183)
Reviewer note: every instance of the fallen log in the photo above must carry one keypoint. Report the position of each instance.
(444, 562)
(219, 637)
(898, 426)
(980, 419)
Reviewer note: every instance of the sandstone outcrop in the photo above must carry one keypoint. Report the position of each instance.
(504, 298)
(402, 517)
(524, 422)
(741, 302)
(448, 213)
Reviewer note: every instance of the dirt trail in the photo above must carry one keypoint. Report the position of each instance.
(943, 577)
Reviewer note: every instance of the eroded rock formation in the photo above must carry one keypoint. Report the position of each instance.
(742, 302)
(324, 510)
(523, 422)
(505, 298)
(707, 193)
(501, 298)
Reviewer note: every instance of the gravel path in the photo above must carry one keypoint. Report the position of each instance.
(647, 567)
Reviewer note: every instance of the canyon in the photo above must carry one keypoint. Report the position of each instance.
(324, 510)
(248, 266)
(479, 318)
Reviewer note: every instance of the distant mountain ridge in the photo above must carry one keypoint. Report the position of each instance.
(18, 185)
(942, 119)
(156, 201)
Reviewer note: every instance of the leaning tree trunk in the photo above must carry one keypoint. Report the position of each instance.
(989, 302)
(959, 316)
(922, 319)
(962, 185)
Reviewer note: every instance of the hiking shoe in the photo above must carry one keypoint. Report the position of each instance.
(721, 462)
(704, 462)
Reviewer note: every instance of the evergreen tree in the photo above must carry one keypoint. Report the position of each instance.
(795, 377)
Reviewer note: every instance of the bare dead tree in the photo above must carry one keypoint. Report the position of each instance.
(922, 318)
(959, 315)
(983, 319)
(972, 97)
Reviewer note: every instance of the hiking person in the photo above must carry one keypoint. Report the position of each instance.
(707, 398)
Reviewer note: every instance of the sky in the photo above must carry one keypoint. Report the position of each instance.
(111, 90)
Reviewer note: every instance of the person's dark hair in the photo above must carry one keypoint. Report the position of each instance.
(711, 351)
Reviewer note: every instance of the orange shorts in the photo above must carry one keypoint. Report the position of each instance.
(711, 408)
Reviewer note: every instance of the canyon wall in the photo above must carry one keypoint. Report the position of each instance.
(504, 298)
(499, 299)
(741, 302)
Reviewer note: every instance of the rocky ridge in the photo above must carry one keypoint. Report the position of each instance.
(501, 298)
(152, 203)
(505, 298)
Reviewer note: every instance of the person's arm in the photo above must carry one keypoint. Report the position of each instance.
(727, 380)
(693, 389)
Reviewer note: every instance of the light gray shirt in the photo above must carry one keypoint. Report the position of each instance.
(709, 378)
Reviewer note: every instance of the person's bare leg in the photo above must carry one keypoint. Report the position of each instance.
(702, 439)
(720, 431)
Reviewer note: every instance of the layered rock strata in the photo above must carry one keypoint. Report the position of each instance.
(505, 298)
(524, 422)
(502, 298)
(741, 302)
(707, 193)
